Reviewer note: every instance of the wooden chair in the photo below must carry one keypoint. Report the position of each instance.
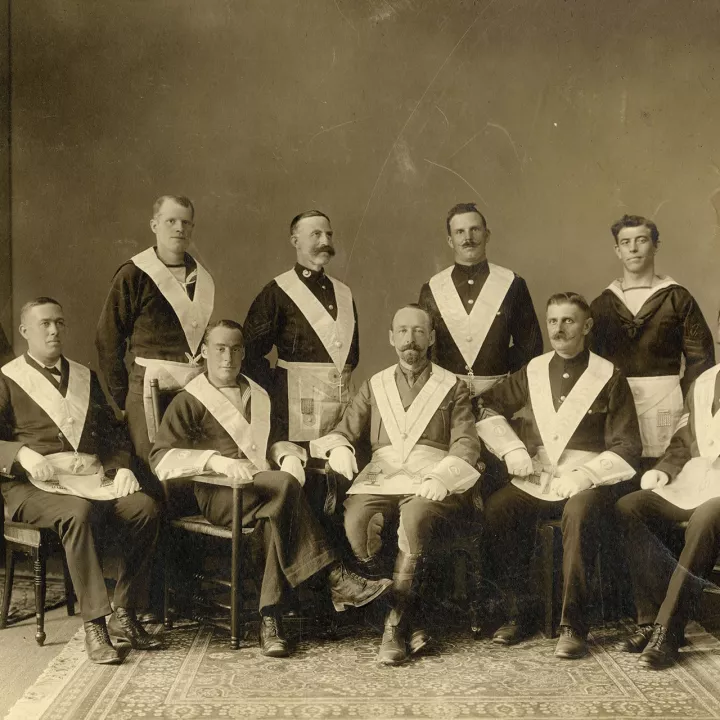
(23, 538)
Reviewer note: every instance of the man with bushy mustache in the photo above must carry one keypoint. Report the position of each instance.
(419, 421)
(311, 320)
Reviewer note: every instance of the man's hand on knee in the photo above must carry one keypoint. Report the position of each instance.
(293, 465)
(342, 461)
(125, 483)
(654, 479)
(571, 483)
(432, 489)
(35, 464)
(233, 468)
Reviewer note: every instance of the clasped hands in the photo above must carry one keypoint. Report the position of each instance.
(37, 465)
(519, 464)
(342, 460)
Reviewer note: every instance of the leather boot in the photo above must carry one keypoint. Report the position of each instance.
(349, 588)
(125, 628)
(393, 646)
(272, 636)
(97, 643)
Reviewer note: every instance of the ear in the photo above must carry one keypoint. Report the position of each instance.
(487, 235)
(431, 338)
(293, 241)
(392, 339)
(154, 225)
(450, 242)
(204, 351)
(617, 251)
(23, 331)
(587, 326)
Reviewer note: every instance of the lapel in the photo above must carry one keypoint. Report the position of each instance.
(470, 330)
(615, 289)
(405, 428)
(335, 335)
(68, 413)
(707, 426)
(194, 314)
(557, 428)
(250, 437)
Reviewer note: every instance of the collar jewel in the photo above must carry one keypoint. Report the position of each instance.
(306, 273)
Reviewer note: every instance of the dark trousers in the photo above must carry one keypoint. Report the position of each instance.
(294, 543)
(667, 590)
(511, 516)
(366, 517)
(138, 432)
(134, 518)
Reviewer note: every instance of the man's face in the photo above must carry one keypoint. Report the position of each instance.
(567, 326)
(411, 335)
(313, 241)
(173, 226)
(44, 329)
(468, 238)
(635, 249)
(223, 353)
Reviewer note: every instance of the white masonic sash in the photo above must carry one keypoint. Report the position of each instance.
(557, 428)
(69, 412)
(615, 288)
(706, 425)
(250, 437)
(335, 335)
(405, 428)
(194, 314)
(470, 330)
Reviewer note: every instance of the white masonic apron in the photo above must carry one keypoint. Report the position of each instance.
(76, 473)
(699, 480)
(469, 330)
(194, 316)
(318, 393)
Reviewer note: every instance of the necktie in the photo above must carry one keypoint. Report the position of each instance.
(55, 375)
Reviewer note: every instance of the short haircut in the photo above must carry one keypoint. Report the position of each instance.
(462, 209)
(228, 324)
(569, 297)
(42, 300)
(307, 214)
(179, 199)
(636, 221)
(414, 306)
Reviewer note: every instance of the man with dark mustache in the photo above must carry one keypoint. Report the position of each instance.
(311, 320)
(418, 419)
(582, 432)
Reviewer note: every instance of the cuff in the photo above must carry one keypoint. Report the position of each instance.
(499, 437)
(454, 473)
(322, 447)
(183, 463)
(281, 449)
(608, 468)
(670, 469)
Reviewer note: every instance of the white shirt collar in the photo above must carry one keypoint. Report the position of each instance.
(57, 365)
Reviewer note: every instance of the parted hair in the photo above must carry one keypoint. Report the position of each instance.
(228, 324)
(569, 297)
(636, 221)
(303, 215)
(179, 199)
(42, 300)
(461, 209)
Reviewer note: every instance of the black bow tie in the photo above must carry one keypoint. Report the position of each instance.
(54, 371)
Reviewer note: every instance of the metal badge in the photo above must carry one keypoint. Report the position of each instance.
(664, 418)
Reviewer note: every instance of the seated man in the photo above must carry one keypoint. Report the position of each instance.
(683, 486)
(220, 423)
(425, 447)
(583, 432)
(69, 458)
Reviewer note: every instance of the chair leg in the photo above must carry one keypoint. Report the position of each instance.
(9, 573)
(69, 590)
(167, 618)
(236, 569)
(39, 573)
(547, 562)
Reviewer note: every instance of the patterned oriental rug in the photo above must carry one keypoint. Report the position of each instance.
(198, 676)
(22, 601)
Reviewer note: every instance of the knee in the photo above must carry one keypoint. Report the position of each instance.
(365, 533)
(582, 510)
(628, 507)
(147, 507)
(705, 520)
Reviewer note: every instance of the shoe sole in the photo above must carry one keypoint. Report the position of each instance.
(416, 648)
(341, 607)
(570, 656)
(124, 642)
(392, 663)
(650, 666)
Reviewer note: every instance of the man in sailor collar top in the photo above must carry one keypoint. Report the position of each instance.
(221, 423)
(158, 307)
(582, 432)
(647, 325)
(420, 425)
(310, 318)
(683, 486)
(69, 458)
(485, 323)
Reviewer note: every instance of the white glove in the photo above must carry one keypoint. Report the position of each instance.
(293, 465)
(342, 460)
(432, 489)
(233, 468)
(125, 483)
(654, 478)
(35, 464)
(519, 462)
(571, 483)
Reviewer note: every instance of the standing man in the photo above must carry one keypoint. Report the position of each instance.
(158, 307)
(221, 423)
(683, 487)
(647, 326)
(583, 435)
(69, 460)
(485, 323)
(419, 421)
